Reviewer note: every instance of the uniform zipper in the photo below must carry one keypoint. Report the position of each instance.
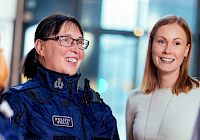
(82, 122)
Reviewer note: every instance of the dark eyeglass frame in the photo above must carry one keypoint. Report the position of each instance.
(77, 41)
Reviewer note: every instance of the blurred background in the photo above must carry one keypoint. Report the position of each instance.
(118, 32)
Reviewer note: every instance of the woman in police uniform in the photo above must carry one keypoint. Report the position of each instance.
(50, 105)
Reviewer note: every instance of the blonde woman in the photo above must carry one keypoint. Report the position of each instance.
(166, 105)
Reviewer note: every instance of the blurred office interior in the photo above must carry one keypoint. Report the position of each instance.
(118, 32)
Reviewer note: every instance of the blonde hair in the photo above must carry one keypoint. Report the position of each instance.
(184, 82)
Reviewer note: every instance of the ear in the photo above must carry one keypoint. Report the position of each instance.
(187, 50)
(39, 46)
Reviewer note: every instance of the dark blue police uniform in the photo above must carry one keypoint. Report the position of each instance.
(50, 106)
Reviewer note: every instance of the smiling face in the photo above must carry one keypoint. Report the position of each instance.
(58, 58)
(169, 48)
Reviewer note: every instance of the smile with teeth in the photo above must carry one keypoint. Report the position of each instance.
(73, 60)
(167, 59)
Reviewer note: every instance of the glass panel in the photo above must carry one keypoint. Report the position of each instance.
(116, 73)
(29, 39)
(184, 8)
(90, 13)
(143, 14)
(141, 59)
(122, 15)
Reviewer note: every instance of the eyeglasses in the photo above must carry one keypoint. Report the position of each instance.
(67, 41)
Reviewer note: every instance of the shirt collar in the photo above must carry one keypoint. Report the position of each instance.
(57, 81)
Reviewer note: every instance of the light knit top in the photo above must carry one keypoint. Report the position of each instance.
(161, 115)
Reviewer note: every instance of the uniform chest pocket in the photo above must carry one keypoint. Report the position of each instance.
(46, 111)
(48, 116)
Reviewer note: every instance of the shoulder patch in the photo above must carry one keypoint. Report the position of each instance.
(17, 87)
(25, 86)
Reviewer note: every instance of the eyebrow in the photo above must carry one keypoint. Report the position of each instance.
(161, 37)
(166, 39)
(178, 38)
(81, 37)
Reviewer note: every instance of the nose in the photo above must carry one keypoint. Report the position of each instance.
(167, 49)
(74, 48)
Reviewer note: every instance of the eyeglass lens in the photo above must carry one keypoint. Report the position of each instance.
(68, 41)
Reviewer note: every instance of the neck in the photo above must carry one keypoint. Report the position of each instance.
(167, 80)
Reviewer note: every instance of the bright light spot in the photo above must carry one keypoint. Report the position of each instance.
(29, 39)
(138, 31)
(102, 85)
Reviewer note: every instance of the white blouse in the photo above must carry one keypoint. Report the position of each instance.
(161, 115)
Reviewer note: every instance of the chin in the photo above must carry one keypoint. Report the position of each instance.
(167, 70)
(71, 73)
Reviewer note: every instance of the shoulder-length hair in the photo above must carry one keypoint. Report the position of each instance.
(50, 25)
(184, 83)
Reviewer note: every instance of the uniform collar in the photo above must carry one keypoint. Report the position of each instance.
(57, 81)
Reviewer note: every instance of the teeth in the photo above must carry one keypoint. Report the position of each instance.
(73, 60)
(167, 60)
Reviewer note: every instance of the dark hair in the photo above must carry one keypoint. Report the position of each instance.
(184, 83)
(50, 25)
